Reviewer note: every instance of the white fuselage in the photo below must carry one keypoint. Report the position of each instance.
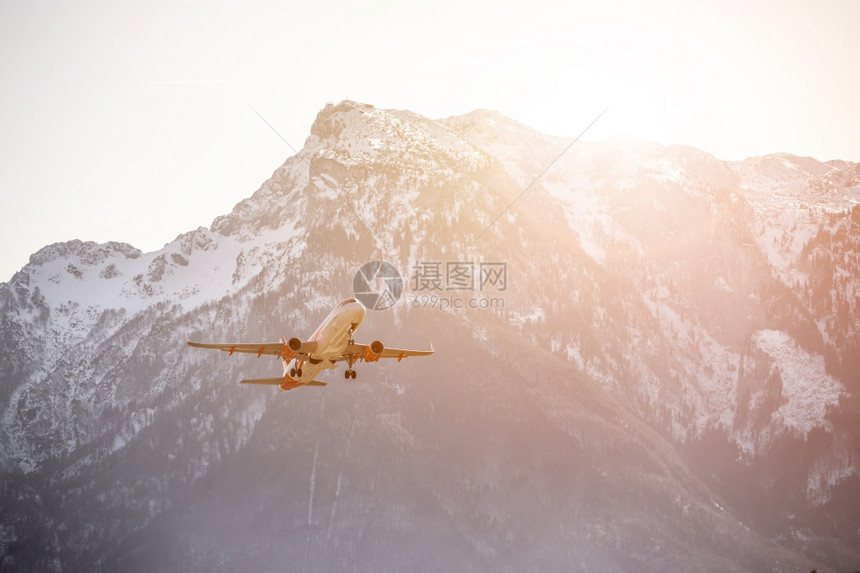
(331, 338)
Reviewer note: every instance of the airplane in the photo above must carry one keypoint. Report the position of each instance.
(331, 343)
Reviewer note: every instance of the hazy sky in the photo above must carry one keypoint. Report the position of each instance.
(133, 121)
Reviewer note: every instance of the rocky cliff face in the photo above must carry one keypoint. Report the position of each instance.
(668, 376)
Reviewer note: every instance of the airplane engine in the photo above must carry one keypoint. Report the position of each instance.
(374, 351)
(295, 344)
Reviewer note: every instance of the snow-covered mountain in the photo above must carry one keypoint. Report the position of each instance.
(668, 376)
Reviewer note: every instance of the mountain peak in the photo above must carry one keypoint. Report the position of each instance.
(329, 121)
(354, 133)
(90, 251)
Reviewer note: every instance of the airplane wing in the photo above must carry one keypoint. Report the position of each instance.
(258, 348)
(365, 353)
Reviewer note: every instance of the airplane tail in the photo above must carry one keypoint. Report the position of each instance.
(268, 381)
(280, 381)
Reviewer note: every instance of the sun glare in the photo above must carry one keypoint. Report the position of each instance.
(560, 87)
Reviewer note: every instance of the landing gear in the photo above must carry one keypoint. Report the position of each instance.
(350, 358)
(294, 372)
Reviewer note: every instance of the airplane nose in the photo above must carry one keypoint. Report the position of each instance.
(361, 310)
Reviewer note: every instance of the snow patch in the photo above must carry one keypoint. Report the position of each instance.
(536, 315)
(806, 387)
